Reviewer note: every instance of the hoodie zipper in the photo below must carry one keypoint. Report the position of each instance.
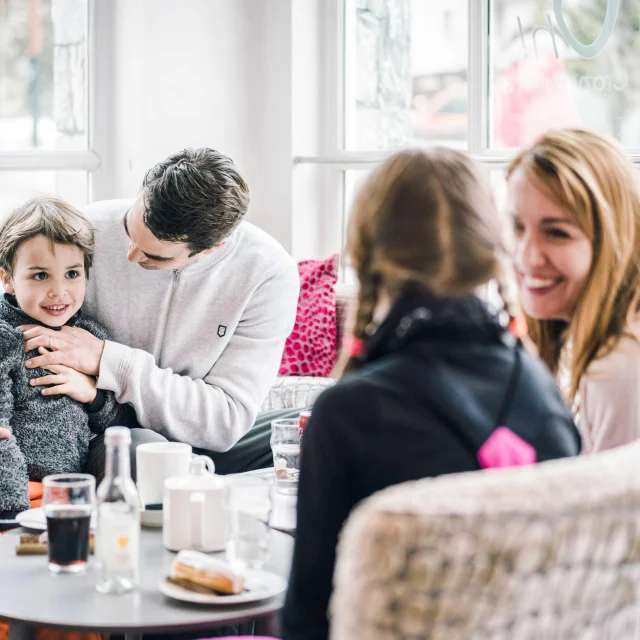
(174, 286)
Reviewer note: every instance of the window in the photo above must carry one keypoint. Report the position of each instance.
(44, 100)
(406, 73)
(486, 76)
(564, 65)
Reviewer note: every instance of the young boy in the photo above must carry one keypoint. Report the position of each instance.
(46, 251)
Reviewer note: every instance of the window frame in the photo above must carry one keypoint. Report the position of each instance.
(89, 160)
(479, 72)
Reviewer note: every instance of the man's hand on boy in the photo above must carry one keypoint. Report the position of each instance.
(5, 434)
(68, 382)
(71, 347)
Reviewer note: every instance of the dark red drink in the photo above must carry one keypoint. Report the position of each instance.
(304, 420)
(68, 532)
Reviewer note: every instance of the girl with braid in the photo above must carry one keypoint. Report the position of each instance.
(433, 383)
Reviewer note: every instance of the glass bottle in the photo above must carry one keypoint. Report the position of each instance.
(118, 523)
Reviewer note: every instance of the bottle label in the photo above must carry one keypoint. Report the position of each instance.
(117, 537)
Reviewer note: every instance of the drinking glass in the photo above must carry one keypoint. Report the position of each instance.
(249, 504)
(285, 444)
(68, 502)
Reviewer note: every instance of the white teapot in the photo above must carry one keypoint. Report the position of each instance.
(193, 513)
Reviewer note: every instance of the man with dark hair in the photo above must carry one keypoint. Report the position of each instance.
(198, 332)
(195, 196)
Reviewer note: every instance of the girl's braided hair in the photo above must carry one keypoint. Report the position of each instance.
(425, 217)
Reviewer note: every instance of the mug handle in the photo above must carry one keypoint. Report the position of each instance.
(196, 506)
(208, 462)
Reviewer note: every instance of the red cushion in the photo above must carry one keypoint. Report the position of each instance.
(311, 349)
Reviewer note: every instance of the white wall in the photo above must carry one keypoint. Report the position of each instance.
(179, 73)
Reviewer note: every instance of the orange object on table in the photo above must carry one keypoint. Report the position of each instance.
(42, 633)
(35, 495)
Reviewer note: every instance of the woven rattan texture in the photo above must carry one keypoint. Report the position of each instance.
(546, 551)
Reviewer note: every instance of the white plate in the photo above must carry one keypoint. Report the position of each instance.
(35, 519)
(260, 584)
(268, 473)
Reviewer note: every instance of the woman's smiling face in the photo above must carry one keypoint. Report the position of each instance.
(552, 255)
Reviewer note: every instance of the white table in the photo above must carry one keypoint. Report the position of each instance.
(31, 596)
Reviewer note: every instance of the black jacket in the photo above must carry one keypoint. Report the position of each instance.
(438, 375)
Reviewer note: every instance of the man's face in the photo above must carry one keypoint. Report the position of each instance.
(149, 252)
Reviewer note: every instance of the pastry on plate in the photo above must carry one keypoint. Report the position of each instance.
(205, 571)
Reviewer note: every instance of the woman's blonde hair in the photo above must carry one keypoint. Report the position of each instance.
(425, 217)
(592, 177)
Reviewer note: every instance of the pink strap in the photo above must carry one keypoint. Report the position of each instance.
(504, 448)
(353, 346)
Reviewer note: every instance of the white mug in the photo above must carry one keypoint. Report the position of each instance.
(157, 461)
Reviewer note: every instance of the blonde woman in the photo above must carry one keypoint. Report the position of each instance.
(575, 202)
(435, 384)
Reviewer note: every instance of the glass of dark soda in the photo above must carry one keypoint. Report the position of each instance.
(68, 502)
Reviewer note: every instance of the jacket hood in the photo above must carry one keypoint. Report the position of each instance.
(419, 315)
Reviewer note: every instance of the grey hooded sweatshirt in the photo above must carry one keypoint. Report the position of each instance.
(50, 434)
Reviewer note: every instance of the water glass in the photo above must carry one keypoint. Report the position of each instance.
(285, 444)
(249, 504)
(68, 502)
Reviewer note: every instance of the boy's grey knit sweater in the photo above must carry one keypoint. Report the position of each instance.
(50, 433)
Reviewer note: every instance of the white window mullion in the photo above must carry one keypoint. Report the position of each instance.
(349, 73)
(101, 93)
(478, 76)
(48, 161)
(340, 120)
(346, 72)
(346, 160)
(369, 159)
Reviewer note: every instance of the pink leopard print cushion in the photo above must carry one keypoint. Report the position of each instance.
(311, 349)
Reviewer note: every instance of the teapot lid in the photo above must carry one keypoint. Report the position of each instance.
(199, 479)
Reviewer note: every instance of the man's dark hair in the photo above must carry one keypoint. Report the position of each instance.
(195, 196)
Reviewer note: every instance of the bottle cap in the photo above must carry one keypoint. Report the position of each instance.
(117, 435)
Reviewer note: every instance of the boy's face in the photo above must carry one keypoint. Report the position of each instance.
(48, 285)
